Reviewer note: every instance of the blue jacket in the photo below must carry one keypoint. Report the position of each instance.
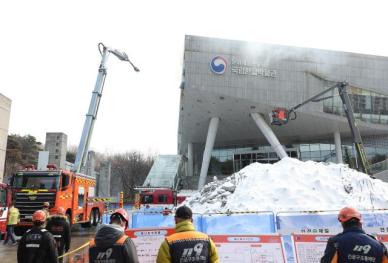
(355, 246)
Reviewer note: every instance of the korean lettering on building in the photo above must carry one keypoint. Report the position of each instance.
(252, 68)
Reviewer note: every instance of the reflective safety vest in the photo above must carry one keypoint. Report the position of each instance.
(13, 217)
(111, 254)
(189, 247)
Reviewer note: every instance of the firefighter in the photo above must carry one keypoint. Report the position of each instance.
(111, 244)
(59, 227)
(353, 244)
(37, 244)
(46, 206)
(13, 220)
(187, 245)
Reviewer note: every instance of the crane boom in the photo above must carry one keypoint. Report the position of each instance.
(91, 116)
(281, 116)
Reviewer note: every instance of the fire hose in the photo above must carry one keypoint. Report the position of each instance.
(75, 250)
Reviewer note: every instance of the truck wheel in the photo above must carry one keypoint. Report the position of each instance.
(68, 216)
(88, 224)
(96, 216)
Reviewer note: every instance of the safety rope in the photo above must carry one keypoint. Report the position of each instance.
(75, 250)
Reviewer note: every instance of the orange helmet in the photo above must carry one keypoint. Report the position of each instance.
(123, 214)
(39, 216)
(46, 204)
(347, 213)
(61, 211)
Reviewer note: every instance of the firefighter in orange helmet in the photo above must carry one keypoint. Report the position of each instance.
(353, 244)
(58, 225)
(111, 244)
(37, 244)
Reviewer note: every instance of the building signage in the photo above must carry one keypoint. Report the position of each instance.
(218, 65)
(252, 68)
(239, 66)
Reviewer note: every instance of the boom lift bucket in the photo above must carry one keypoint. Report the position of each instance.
(279, 116)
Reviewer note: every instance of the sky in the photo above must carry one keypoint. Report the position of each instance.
(49, 57)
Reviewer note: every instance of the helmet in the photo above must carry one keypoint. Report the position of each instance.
(46, 204)
(123, 214)
(347, 213)
(61, 211)
(39, 216)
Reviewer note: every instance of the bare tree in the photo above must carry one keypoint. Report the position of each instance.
(132, 169)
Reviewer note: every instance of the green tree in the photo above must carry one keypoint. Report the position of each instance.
(21, 150)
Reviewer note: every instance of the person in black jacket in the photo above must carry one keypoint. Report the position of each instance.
(111, 244)
(60, 228)
(353, 244)
(37, 245)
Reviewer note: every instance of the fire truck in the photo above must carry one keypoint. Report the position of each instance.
(159, 197)
(71, 190)
(61, 188)
(5, 197)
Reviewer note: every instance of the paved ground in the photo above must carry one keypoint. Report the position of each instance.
(79, 237)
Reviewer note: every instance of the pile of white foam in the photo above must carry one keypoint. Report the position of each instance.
(291, 185)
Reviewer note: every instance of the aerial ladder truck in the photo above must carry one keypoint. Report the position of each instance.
(72, 190)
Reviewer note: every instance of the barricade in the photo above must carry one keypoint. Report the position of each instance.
(299, 232)
(323, 223)
(239, 223)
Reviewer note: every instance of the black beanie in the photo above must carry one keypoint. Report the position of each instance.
(184, 212)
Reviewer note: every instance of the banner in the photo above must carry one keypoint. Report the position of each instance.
(148, 241)
(239, 224)
(249, 248)
(309, 248)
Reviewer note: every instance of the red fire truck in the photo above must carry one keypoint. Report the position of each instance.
(159, 197)
(5, 197)
(61, 188)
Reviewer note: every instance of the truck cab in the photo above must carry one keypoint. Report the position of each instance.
(61, 188)
(158, 197)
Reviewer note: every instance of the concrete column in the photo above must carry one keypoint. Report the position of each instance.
(338, 148)
(190, 159)
(211, 136)
(269, 135)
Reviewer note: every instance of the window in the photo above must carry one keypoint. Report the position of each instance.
(146, 199)
(81, 196)
(36, 181)
(92, 192)
(57, 144)
(56, 150)
(3, 197)
(162, 199)
(56, 157)
(65, 180)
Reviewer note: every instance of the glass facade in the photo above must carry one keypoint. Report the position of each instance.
(165, 171)
(226, 161)
(367, 105)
